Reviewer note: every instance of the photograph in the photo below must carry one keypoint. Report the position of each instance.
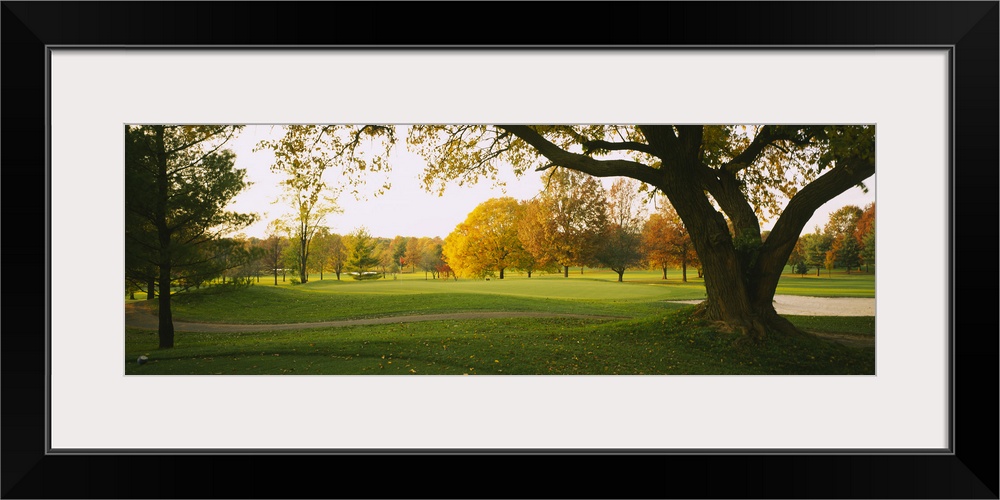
(659, 205)
(481, 249)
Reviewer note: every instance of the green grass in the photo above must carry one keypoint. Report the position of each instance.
(664, 345)
(594, 292)
(332, 300)
(854, 325)
(641, 334)
(839, 284)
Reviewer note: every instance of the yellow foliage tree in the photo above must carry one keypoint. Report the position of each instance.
(486, 243)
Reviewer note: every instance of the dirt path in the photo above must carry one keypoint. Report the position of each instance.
(139, 316)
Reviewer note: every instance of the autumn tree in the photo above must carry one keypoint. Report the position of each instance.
(386, 257)
(667, 241)
(714, 176)
(573, 207)
(486, 243)
(864, 234)
(412, 255)
(178, 182)
(306, 153)
(656, 241)
(320, 250)
(845, 249)
(337, 254)
(431, 256)
(620, 246)
(532, 230)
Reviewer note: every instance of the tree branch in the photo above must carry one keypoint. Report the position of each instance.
(767, 136)
(616, 146)
(775, 250)
(583, 163)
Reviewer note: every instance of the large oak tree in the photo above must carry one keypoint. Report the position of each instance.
(722, 180)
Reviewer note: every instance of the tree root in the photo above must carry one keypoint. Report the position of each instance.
(754, 329)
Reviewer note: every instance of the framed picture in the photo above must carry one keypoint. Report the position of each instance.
(924, 74)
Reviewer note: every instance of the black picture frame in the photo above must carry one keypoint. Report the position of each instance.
(969, 28)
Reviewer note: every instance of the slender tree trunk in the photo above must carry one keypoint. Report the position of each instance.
(684, 271)
(276, 276)
(529, 274)
(131, 296)
(165, 324)
(151, 290)
(664, 272)
(303, 257)
(501, 273)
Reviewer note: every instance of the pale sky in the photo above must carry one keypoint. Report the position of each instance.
(406, 209)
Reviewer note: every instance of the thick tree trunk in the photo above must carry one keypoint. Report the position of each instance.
(529, 274)
(565, 271)
(151, 290)
(501, 273)
(727, 281)
(620, 276)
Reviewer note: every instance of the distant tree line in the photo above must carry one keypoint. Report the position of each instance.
(847, 241)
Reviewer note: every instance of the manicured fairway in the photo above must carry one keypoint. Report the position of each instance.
(643, 333)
